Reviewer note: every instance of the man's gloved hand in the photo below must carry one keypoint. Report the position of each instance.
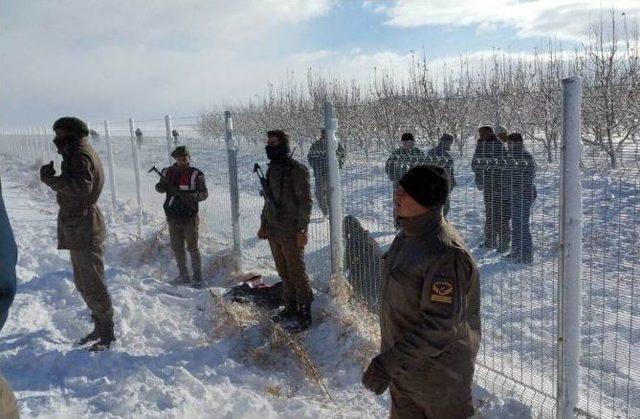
(47, 171)
(375, 377)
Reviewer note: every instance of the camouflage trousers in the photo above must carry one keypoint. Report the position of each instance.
(88, 276)
(181, 232)
(289, 261)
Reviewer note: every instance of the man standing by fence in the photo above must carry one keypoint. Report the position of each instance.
(523, 192)
(81, 227)
(440, 156)
(401, 160)
(317, 158)
(185, 188)
(284, 221)
(488, 163)
(430, 308)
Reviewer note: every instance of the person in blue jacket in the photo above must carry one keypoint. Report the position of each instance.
(8, 261)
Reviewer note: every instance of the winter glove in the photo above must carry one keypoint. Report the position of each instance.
(375, 377)
(302, 239)
(47, 172)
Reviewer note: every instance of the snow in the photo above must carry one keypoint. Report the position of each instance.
(180, 352)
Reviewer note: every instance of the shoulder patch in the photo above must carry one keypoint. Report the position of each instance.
(442, 292)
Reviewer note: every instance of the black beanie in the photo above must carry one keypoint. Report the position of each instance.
(407, 136)
(72, 124)
(428, 185)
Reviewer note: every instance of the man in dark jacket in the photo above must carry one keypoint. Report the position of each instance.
(317, 158)
(430, 308)
(185, 188)
(284, 222)
(440, 156)
(488, 163)
(401, 160)
(362, 262)
(81, 228)
(523, 192)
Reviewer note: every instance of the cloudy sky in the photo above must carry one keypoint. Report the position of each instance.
(111, 59)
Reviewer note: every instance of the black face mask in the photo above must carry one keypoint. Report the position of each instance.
(276, 152)
(61, 143)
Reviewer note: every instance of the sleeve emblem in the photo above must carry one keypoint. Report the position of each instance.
(442, 292)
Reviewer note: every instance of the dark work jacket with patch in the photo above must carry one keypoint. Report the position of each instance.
(430, 310)
(80, 222)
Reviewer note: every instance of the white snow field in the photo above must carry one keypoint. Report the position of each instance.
(181, 352)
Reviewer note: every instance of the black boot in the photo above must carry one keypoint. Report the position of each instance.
(90, 337)
(107, 337)
(288, 313)
(196, 267)
(304, 316)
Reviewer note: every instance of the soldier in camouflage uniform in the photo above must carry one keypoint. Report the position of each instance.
(430, 308)
(284, 224)
(81, 228)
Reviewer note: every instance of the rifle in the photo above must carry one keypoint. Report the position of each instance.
(173, 189)
(266, 190)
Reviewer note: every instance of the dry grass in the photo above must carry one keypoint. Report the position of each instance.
(274, 390)
(229, 319)
(355, 318)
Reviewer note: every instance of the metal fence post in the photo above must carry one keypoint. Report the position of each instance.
(167, 124)
(112, 173)
(232, 152)
(335, 195)
(570, 258)
(136, 169)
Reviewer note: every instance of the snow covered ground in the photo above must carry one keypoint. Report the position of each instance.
(181, 353)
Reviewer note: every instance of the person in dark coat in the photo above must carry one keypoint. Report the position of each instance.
(81, 227)
(283, 223)
(362, 262)
(523, 193)
(440, 155)
(401, 160)
(317, 158)
(430, 308)
(488, 163)
(185, 187)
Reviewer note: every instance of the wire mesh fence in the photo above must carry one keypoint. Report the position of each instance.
(493, 204)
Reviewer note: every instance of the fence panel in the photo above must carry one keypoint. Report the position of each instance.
(610, 366)
(519, 300)
(518, 353)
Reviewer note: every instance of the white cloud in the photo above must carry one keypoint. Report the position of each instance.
(564, 19)
(120, 58)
